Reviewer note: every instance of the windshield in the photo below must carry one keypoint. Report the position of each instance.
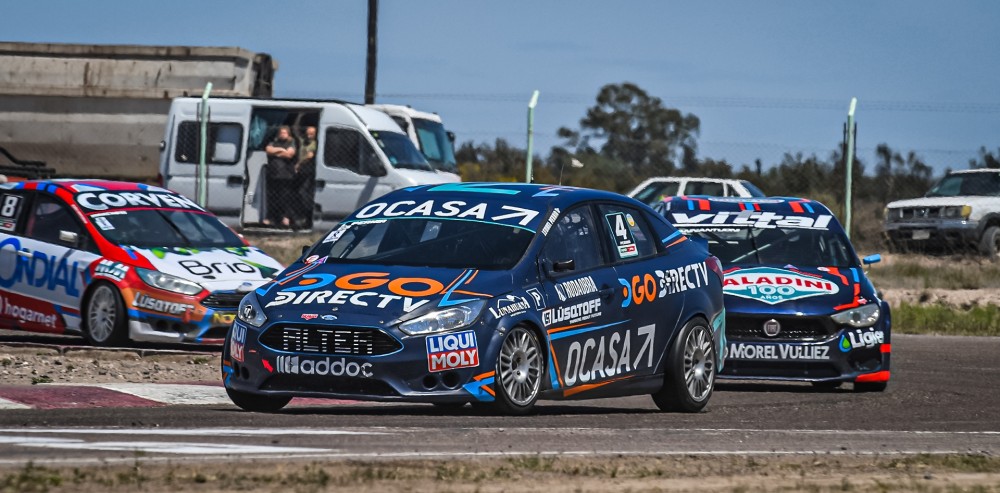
(656, 192)
(986, 184)
(455, 244)
(149, 228)
(754, 191)
(400, 151)
(435, 144)
(777, 246)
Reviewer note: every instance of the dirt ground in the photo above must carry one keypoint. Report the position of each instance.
(30, 365)
(533, 473)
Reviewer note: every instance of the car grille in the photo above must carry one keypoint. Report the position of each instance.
(334, 385)
(742, 328)
(322, 339)
(223, 301)
(904, 213)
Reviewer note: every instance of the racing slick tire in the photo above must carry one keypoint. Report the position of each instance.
(257, 403)
(989, 244)
(518, 372)
(105, 322)
(870, 386)
(689, 378)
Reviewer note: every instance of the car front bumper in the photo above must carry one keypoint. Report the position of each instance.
(942, 232)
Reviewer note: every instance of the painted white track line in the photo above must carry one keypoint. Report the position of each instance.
(5, 404)
(168, 393)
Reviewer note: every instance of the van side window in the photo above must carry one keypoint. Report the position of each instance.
(347, 148)
(224, 142)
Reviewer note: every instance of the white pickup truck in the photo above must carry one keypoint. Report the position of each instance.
(960, 211)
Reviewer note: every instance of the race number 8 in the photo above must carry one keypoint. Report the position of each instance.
(9, 207)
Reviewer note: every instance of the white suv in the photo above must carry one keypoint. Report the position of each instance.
(654, 189)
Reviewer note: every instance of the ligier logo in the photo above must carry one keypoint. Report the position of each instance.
(326, 367)
(861, 339)
(450, 351)
(773, 286)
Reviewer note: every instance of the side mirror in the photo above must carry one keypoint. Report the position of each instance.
(451, 136)
(563, 266)
(70, 238)
(872, 259)
(305, 248)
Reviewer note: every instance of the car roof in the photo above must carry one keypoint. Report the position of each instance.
(690, 178)
(536, 193)
(76, 186)
(974, 170)
(738, 204)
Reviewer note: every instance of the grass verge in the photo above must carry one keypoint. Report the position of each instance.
(946, 320)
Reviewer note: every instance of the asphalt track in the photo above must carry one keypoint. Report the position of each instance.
(944, 397)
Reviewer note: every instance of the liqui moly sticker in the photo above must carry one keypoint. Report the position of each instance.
(773, 286)
(450, 351)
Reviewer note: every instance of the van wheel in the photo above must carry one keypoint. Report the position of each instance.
(104, 320)
(689, 378)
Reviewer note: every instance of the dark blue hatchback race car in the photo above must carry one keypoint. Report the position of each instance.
(798, 303)
(486, 293)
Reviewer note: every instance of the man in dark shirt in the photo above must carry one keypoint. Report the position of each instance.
(280, 173)
(304, 184)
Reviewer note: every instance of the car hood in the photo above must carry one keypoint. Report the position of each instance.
(790, 290)
(956, 201)
(213, 268)
(376, 294)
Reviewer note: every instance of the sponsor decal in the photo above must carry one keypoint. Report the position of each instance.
(622, 235)
(772, 286)
(510, 305)
(103, 223)
(329, 317)
(551, 221)
(777, 352)
(223, 318)
(110, 269)
(859, 338)
(610, 355)
(40, 270)
(10, 207)
(326, 367)
(309, 316)
(639, 290)
(450, 351)
(575, 287)
(237, 341)
(101, 201)
(450, 208)
(537, 298)
(147, 302)
(209, 270)
(355, 289)
(28, 315)
(573, 313)
(752, 219)
(336, 233)
(312, 258)
(680, 279)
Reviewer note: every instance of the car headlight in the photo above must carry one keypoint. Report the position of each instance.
(446, 320)
(168, 282)
(250, 311)
(862, 316)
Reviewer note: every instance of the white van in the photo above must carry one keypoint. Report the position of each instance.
(361, 154)
(427, 132)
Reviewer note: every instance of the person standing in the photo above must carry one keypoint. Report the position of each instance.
(280, 173)
(304, 184)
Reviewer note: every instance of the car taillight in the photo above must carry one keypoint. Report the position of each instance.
(716, 266)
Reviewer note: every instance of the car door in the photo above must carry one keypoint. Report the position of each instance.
(13, 207)
(54, 256)
(650, 281)
(579, 315)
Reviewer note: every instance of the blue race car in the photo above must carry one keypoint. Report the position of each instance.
(798, 303)
(486, 293)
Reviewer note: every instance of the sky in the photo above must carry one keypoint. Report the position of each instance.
(764, 77)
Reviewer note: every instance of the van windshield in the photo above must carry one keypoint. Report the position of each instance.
(401, 151)
(435, 144)
(149, 228)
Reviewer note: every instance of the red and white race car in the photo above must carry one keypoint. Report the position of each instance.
(117, 261)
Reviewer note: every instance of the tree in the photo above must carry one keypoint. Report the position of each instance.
(986, 159)
(632, 127)
(897, 177)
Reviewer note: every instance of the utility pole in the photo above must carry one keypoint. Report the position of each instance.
(850, 134)
(372, 62)
(528, 175)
